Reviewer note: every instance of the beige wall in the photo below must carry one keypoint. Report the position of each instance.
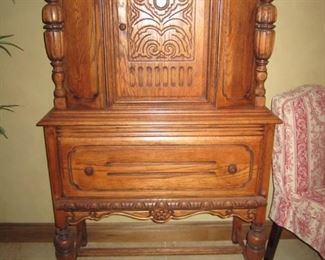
(299, 54)
(299, 58)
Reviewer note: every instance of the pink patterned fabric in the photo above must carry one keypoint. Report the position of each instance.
(299, 164)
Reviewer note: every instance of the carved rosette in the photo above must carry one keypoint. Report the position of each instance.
(264, 42)
(53, 37)
(160, 211)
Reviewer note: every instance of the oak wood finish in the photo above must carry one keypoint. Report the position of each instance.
(83, 28)
(158, 114)
(123, 232)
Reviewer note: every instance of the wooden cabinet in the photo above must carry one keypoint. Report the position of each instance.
(159, 113)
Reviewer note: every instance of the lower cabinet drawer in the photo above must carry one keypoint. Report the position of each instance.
(160, 170)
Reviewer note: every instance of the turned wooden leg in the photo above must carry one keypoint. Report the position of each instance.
(63, 238)
(273, 241)
(256, 239)
(82, 238)
(64, 244)
(236, 228)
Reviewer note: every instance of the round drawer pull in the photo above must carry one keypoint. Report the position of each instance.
(232, 168)
(89, 171)
(122, 26)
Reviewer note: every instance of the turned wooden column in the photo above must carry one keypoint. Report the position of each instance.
(64, 242)
(264, 42)
(53, 37)
(256, 236)
(256, 239)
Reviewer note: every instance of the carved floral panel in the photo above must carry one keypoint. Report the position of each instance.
(161, 29)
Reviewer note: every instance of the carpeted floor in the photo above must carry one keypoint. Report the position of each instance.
(287, 250)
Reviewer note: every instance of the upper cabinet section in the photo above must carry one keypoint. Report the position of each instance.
(197, 54)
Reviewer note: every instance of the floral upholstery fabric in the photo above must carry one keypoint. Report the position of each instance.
(299, 164)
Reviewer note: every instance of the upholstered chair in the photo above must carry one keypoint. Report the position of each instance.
(299, 167)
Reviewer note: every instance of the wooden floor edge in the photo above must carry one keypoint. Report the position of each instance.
(130, 232)
(225, 250)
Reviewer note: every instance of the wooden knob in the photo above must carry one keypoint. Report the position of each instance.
(122, 26)
(89, 171)
(232, 168)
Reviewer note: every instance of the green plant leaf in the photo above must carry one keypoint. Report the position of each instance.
(6, 36)
(8, 107)
(6, 50)
(3, 132)
(1, 106)
(2, 43)
(11, 44)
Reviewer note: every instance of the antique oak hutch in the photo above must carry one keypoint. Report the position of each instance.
(159, 113)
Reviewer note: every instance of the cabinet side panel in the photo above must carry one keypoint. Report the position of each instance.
(83, 60)
(236, 66)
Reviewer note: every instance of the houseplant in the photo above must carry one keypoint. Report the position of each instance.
(4, 44)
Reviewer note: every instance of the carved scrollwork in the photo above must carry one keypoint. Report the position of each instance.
(136, 205)
(160, 215)
(161, 30)
(160, 211)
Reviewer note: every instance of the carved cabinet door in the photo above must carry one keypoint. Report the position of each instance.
(161, 50)
(158, 52)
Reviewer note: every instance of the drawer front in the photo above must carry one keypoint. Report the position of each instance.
(159, 170)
